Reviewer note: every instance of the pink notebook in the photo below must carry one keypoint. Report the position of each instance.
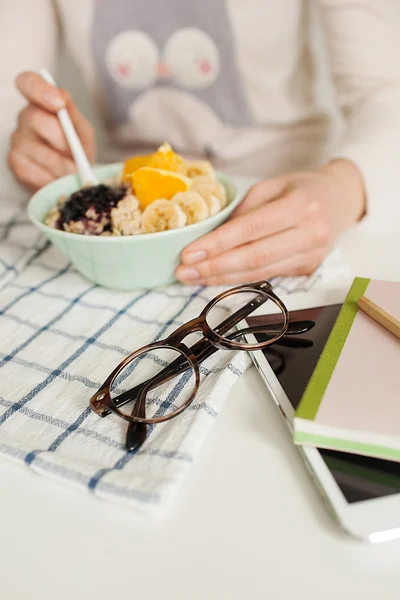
(352, 402)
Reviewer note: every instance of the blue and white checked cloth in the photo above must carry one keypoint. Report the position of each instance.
(60, 337)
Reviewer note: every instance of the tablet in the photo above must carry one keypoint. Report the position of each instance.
(362, 492)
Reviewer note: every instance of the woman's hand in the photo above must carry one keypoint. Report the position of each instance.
(284, 226)
(39, 151)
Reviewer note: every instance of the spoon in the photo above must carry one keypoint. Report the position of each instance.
(83, 166)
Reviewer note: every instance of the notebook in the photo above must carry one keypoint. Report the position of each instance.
(352, 401)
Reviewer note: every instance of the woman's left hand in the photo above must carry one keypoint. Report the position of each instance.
(284, 226)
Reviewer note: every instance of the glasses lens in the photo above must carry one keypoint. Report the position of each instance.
(241, 304)
(173, 383)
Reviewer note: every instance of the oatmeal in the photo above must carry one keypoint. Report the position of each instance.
(126, 217)
(153, 193)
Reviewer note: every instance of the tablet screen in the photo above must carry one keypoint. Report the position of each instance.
(360, 478)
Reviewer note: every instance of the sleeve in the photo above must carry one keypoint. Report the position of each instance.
(28, 41)
(363, 38)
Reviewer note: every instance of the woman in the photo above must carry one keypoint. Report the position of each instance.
(231, 81)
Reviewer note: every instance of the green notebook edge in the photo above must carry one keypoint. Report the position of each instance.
(315, 390)
(344, 445)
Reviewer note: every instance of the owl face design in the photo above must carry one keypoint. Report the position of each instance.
(178, 58)
(189, 59)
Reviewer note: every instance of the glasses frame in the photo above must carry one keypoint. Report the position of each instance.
(213, 339)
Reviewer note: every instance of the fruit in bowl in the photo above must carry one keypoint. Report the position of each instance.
(115, 252)
(153, 193)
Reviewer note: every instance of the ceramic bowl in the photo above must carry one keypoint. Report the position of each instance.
(128, 262)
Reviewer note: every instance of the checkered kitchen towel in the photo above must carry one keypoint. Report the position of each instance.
(60, 337)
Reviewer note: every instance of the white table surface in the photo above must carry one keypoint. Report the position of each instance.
(247, 522)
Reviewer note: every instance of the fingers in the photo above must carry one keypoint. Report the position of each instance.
(44, 101)
(27, 172)
(39, 151)
(37, 91)
(300, 264)
(285, 237)
(34, 122)
(262, 192)
(270, 218)
(43, 155)
(249, 257)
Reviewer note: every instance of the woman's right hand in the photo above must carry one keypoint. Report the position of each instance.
(39, 152)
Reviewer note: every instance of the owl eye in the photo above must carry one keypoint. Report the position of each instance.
(193, 58)
(132, 59)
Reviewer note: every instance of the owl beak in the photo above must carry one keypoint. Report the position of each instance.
(164, 70)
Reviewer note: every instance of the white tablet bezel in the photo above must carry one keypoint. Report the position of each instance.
(374, 520)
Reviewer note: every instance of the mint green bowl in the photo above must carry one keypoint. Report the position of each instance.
(123, 263)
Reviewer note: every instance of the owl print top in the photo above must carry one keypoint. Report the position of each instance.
(229, 80)
(236, 81)
(160, 71)
(141, 49)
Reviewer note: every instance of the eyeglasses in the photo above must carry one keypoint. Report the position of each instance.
(163, 378)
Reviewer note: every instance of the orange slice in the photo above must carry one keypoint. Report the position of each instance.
(165, 158)
(151, 184)
(132, 164)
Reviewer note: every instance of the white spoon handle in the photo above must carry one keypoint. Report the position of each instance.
(83, 166)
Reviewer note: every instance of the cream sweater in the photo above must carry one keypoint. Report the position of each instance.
(234, 80)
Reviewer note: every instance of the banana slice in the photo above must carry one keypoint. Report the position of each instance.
(161, 215)
(126, 217)
(199, 168)
(193, 205)
(211, 188)
(213, 204)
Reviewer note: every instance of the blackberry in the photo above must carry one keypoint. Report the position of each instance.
(102, 198)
